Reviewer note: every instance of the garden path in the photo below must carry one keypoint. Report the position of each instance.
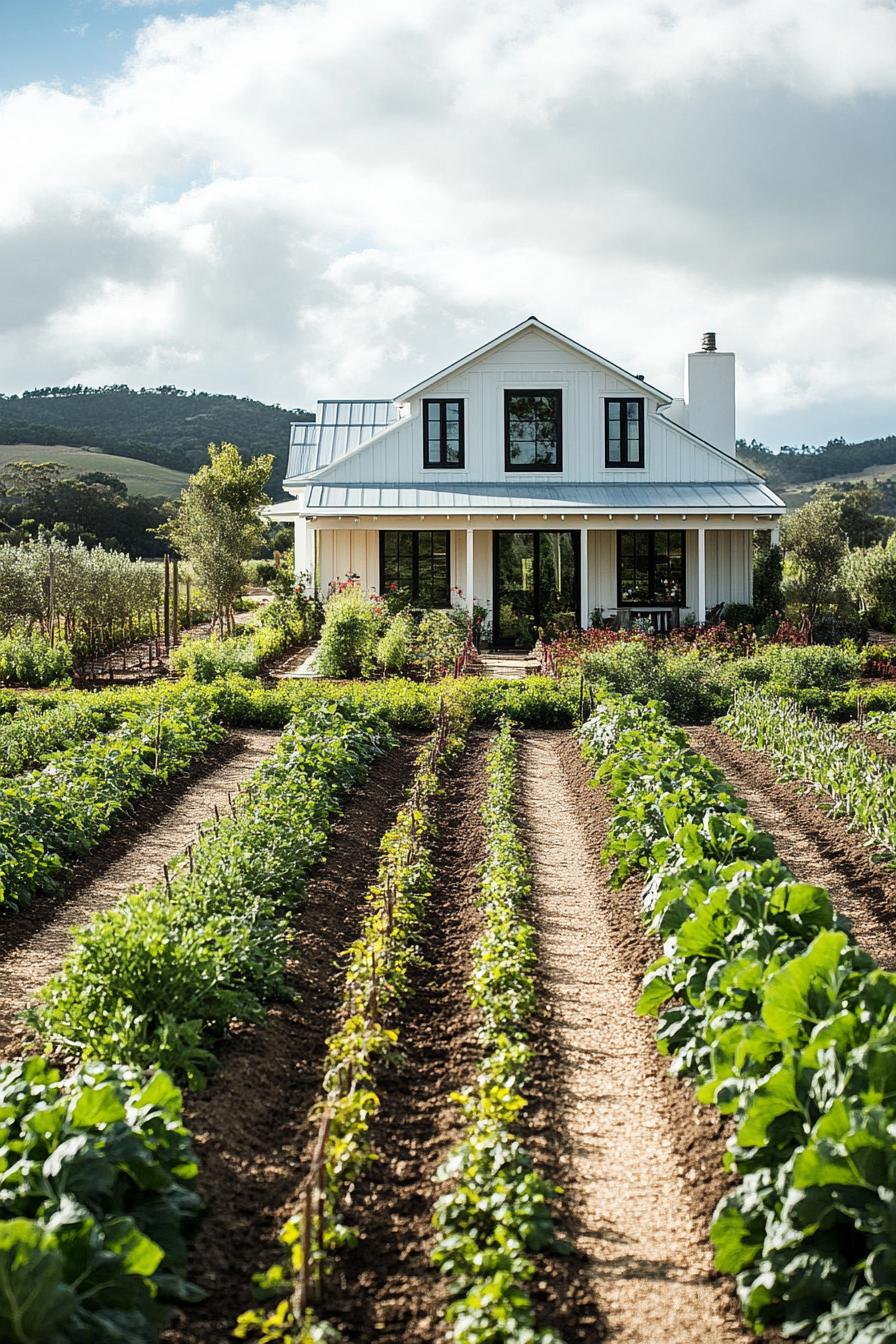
(34, 942)
(625, 1155)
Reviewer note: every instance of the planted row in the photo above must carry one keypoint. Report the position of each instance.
(97, 1199)
(30, 736)
(858, 782)
(496, 1214)
(156, 979)
(97, 1177)
(61, 811)
(377, 980)
(779, 1019)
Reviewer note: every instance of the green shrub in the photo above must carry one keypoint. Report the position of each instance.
(349, 634)
(28, 660)
(820, 665)
(394, 648)
(439, 639)
(97, 1192)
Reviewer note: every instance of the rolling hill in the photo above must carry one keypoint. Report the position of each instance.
(141, 478)
(164, 426)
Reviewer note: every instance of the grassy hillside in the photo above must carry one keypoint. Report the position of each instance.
(141, 478)
(165, 425)
(801, 469)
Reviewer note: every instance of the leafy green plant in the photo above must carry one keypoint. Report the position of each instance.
(496, 1213)
(34, 733)
(393, 649)
(96, 1202)
(30, 660)
(779, 1019)
(349, 634)
(158, 978)
(857, 782)
(62, 810)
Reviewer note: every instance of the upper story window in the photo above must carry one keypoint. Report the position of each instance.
(624, 431)
(533, 431)
(443, 433)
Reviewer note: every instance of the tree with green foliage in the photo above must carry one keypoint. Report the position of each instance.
(217, 524)
(869, 576)
(768, 573)
(861, 517)
(815, 546)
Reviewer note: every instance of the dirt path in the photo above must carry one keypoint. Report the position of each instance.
(815, 846)
(34, 942)
(626, 1134)
(251, 1126)
(390, 1291)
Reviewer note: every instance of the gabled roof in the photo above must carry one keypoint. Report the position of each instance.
(340, 427)
(534, 324)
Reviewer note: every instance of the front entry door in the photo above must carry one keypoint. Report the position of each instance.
(536, 586)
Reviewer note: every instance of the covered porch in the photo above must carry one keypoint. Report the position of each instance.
(546, 573)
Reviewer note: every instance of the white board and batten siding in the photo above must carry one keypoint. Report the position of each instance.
(533, 360)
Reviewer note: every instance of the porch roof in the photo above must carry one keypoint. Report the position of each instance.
(544, 497)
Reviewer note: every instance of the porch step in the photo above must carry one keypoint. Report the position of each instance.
(506, 664)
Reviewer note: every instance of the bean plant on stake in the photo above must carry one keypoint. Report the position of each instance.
(377, 979)
(496, 1212)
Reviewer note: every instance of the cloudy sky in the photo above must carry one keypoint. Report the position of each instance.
(294, 200)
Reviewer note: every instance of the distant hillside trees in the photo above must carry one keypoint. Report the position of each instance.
(165, 425)
(790, 465)
(36, 498)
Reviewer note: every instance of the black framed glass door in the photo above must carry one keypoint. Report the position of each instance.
(536, 585)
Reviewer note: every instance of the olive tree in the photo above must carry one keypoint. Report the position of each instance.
(814, 546)
(217, 524)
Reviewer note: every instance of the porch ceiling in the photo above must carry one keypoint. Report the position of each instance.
(544, 497)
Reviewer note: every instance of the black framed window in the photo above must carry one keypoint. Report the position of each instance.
(651, 568)
(624, 431)
(533, 431)
(420, 563)
(443, 433)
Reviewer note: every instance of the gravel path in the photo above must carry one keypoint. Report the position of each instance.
(37, 940)
(816, 847)
(649, 1259)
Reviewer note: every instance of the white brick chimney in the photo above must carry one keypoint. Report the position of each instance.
(709, 393)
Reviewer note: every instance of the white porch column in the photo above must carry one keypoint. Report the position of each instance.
(469, 578)
(700, 609)
(309, 562)
(584, 599)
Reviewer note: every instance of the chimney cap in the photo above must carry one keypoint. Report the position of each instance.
(709, 341)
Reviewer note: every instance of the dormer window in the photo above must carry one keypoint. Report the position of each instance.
(443, 433)
(624, 431)
(533, 431)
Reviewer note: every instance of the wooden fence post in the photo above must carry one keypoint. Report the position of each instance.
(175, 639)
(167, 604)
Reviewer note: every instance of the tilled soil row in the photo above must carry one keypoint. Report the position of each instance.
(34, 942)
(640, 1161)
(390, 1291)
(816, 846)
(251, 1126)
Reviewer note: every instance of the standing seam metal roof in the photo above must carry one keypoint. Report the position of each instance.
(709, 496)
(340, 426)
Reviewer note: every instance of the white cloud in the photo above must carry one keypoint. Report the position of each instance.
(296, 200)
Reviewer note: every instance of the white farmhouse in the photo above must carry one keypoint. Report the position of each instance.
(539, 480)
